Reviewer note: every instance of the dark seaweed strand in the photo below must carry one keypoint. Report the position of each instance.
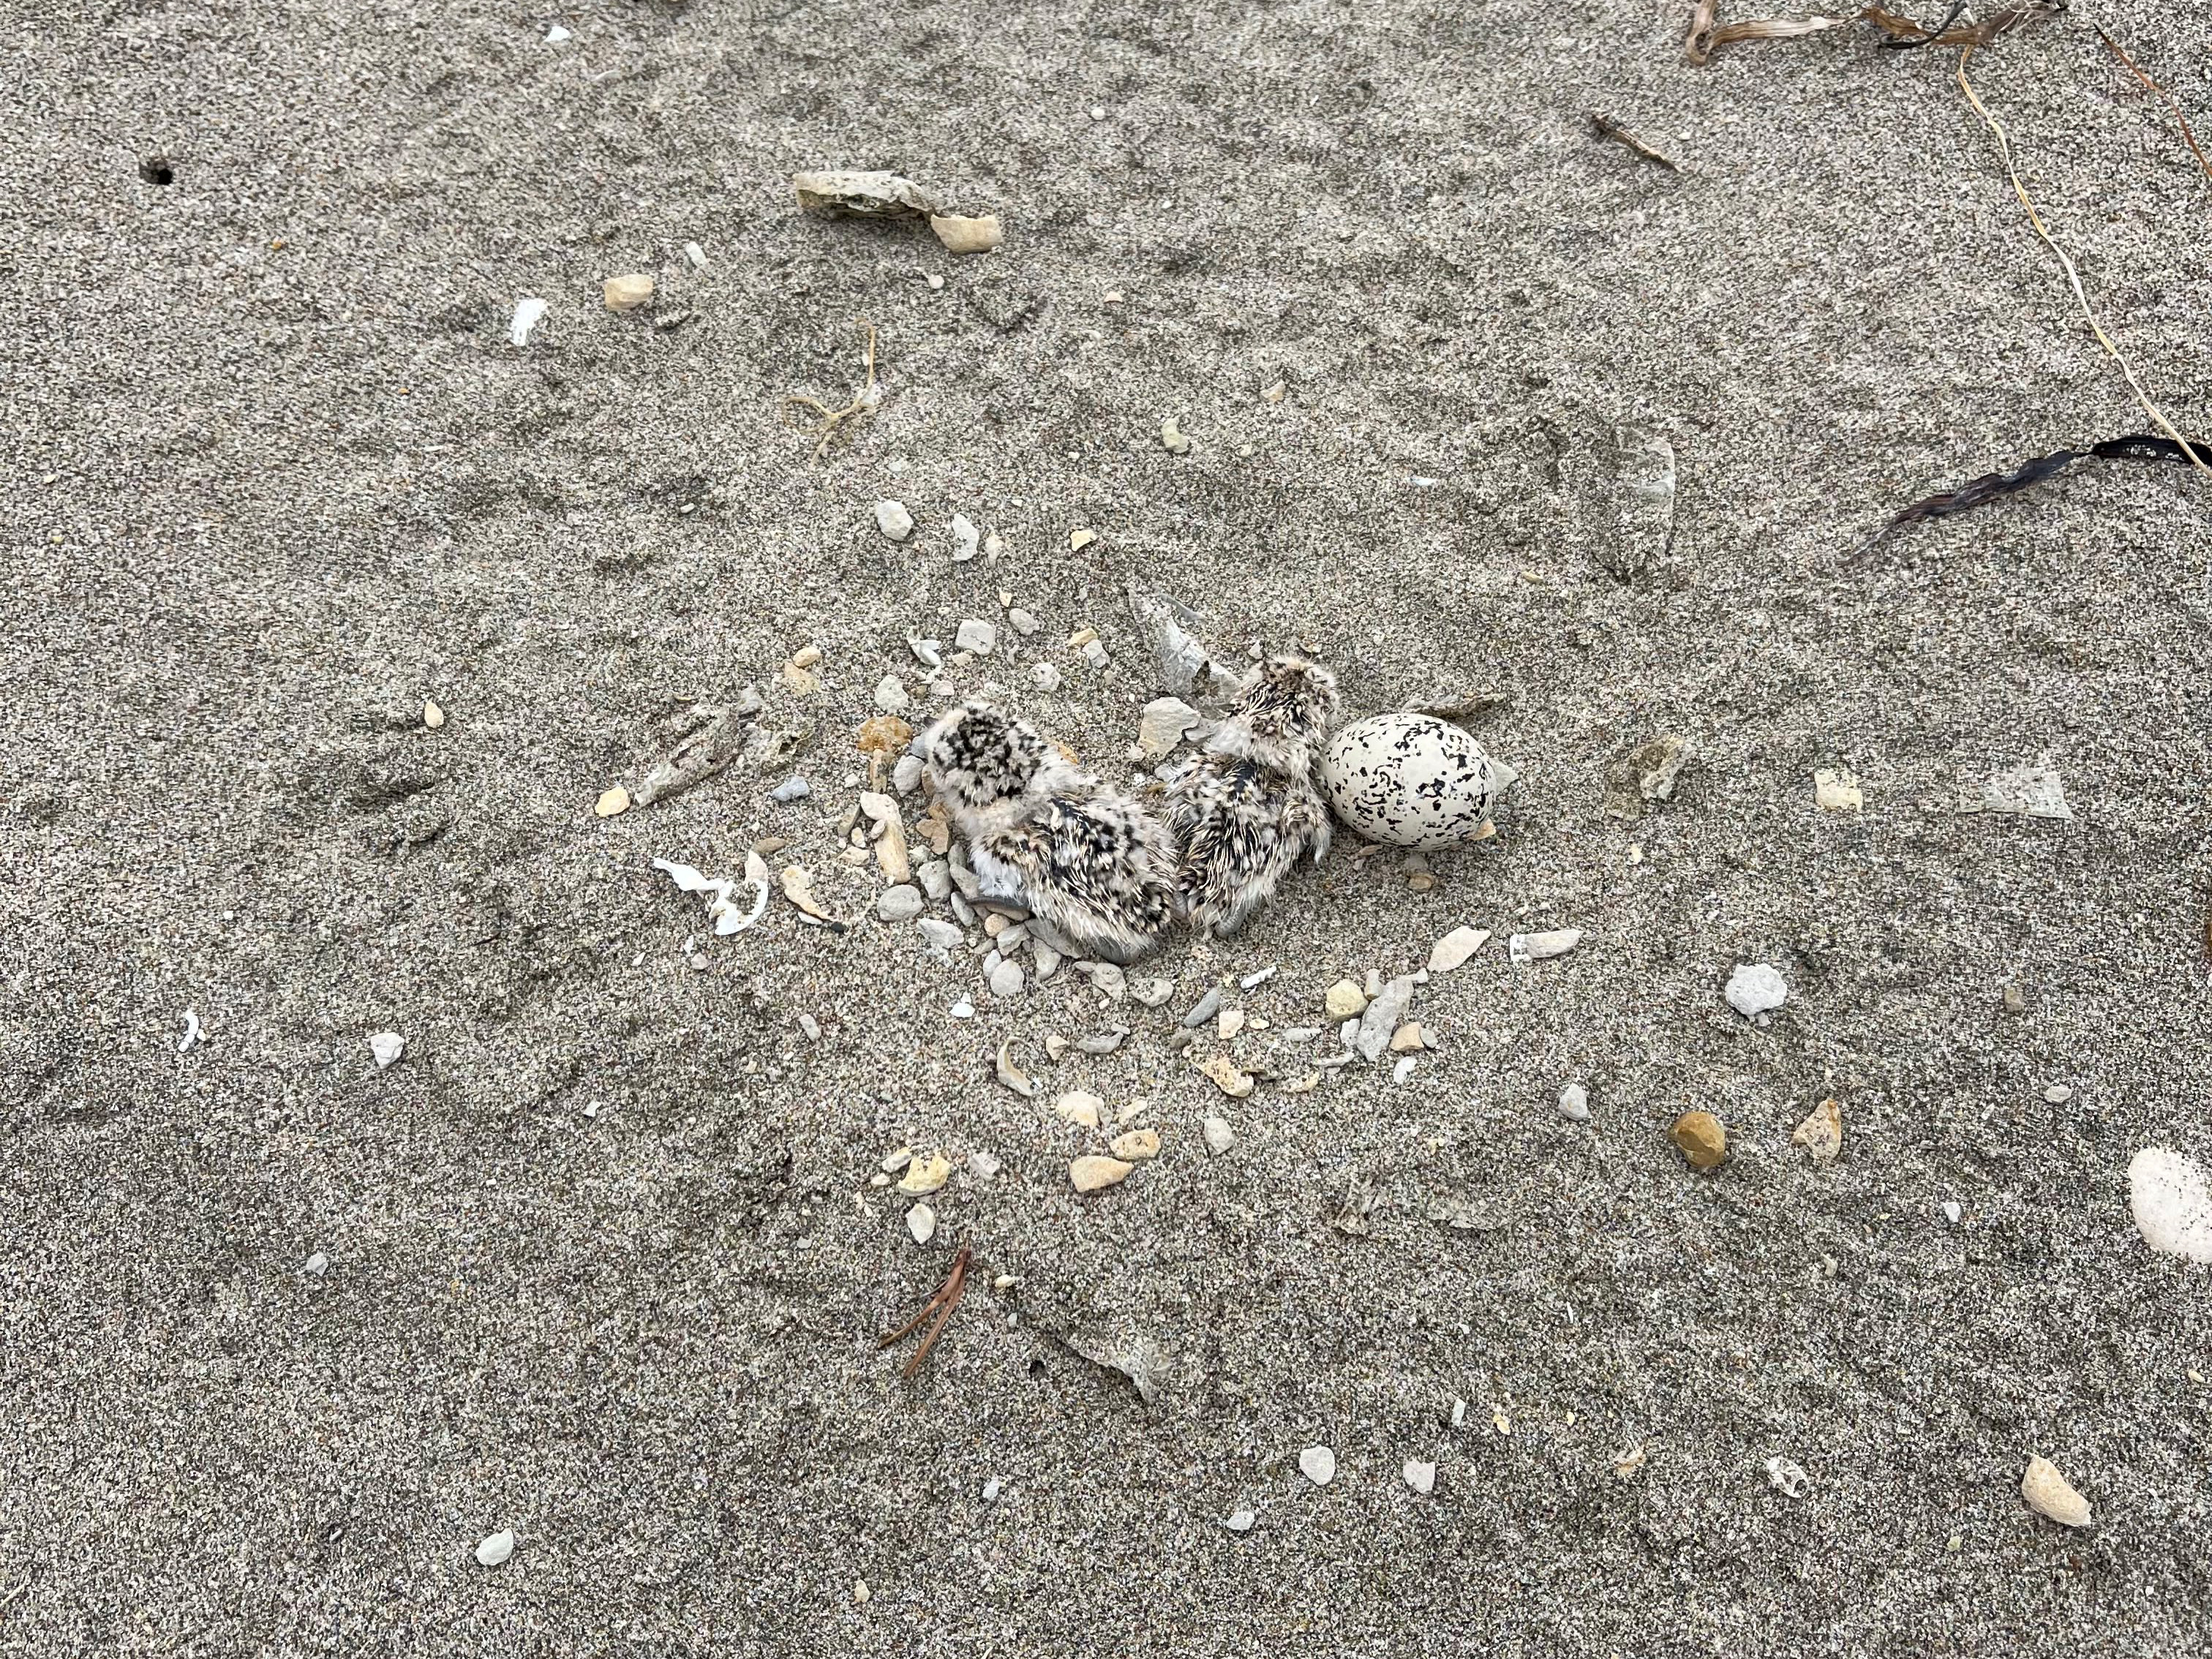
(1993, 486)
(1892, 44)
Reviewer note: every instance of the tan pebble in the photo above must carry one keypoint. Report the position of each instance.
(1451, 951)
(926, 1174)
(860, 1592)
(1081, 637)
(807, 656)
(1277, 392)
(1055, 1046)
(997, 923)
(1230, 1022)
(1079, 1109)
(2048, 1493)
(433, 716)
(1228, 1077)
(1345, 999)
(962, 235)
(1699, 1137)
(885, 735)
(1305, 1085)
(1137, 1143)
(1420, 882)
(1822, 1133)
(1408, 1038)
(1836, 791)
(616, 800)
(627, 292)
(803, 681)
(1077, 541)
(2016, 999)
(1093, 1174)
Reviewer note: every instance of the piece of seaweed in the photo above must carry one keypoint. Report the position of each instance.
(1994, 486)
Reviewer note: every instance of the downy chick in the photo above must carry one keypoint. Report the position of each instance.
(1248, 808)
(1093, 865)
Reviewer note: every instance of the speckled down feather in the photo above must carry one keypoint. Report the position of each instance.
(1409, 779)
(1093, 865)
(1248, 808)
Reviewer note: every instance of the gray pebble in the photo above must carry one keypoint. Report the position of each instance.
(906, 776)
(963, 911)
(1302, 1034)
(934, 878)
(1047, 960)
(1105, 1042)
(1203, 1009)
(1023, 622)
(1181, 1038)
(1218, 1135)
(1007, 979)
(945, 935)
(898, 904)
(1574, 1103)
(791, 789)
(316, 1265)
(976, 635)
(1046, 677)
(991, 961)
(1152, 992)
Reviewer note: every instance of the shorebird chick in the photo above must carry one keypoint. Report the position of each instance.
(1093, 865)
(1246, 810)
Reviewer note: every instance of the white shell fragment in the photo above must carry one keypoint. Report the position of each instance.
(192, 1031)
(921, 1222)
(2032, 791)
(1525, 948)
(386, 1046)
(2173, 1208)
(2046, 1492)
(1755, 988)
(1318, 1465)
(1410, 779)
(1574, 1104)
(494, 1550)
(965, 540)
(529, 311)
(1786, 1478)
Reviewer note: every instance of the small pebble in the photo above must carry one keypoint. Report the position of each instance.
(2049, 1495)
(860, 1592)
(626, 293)
(1821, 1134)
(921, 1222)
(494, 1550)
(1345, 1001)
(1228, 1024)
(891, 697)
(935, 880)
(964, 1008)
(1136, 1145)
(1254, 982)
(387, 1046)
(1701, 1139)
(1403, 1069)
(1171, 437)
(1453, 950)
(898, 904)
(1408, 1039)
(1317, 1464)
(1836, 791)
(1951, 1211)
(791, 789)
(894, 520)
(1574, 1103)
(1094, 1174)
(1079, 1108)
(1105, 1042)
(1007, 979)
(1242, 1520)
(316, 1265)
(1755, 988)
(977, 635)
(433, 716)
(1206, 1007)
(1525, 948)
(1151, 993)
(1219, 1137)
(1046, 677)
(1421, 1477)
(906, 775)
(1786, 1478)
(1024, 623)
(985, 1166)
(2058, 1094)
(991, 1490)
(1095, 654)
(1047, 960)
(1228, 1077)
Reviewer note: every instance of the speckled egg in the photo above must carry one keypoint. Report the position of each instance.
(1410, 779)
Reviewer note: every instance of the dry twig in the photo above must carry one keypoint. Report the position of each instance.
(829, 420)
(1608, 128)
(2172, 103)
(942, 1301)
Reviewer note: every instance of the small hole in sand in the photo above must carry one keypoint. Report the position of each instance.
(156, 170)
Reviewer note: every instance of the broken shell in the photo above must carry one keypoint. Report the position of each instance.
(926, 1174)
(1644, 775)
(1227, 1077)
(1525, 948)
(1421, 1477)
(616, 800)
(1079, 539)
(866, 195)
(921, 1222)
(1822, 1133)
(1012, 1075)
(2047, 1493)
(798, 885)
(1093, 1174)
(1700, 1138)
(1136, 1145)
(626, 293)
(962, 235)
(529, 311)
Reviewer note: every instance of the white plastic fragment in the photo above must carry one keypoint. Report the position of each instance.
(2173, 1208)
(494, 1550)
(192, 1031)
(529, 311)
(386, 1046)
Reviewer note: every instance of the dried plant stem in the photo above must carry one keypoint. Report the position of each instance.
(2074, 276)
(828, 420)
(2171, 102)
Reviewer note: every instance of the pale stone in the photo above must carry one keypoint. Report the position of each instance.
(2049, 1494)
(1093, 1174)
(626, 293)
(1137, 1145)
(2172, 1209)
(1754, 988)
(1822, 1132)
(1318, 1465)
(1453, 950)
(894, 520)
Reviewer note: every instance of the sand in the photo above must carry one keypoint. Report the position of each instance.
(277, 476)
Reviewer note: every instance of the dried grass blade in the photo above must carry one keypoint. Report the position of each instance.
(2171, 102)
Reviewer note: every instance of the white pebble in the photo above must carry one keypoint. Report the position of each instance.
(494, 1550)
(2058, 1094)
(1318, 1465)
(941, 934)
(1951, 1211)
(963, 539)
(386, 1046)
(985, 1165)
(921, 1222)
(977, 635)
(791, 789)
(991, 1490)
(1574, 1103)
(2171, 1207)
(906, 776)
(1218, 1135)
(1786, 1478)
(891, 697)
(316, 1265)
(1045, 676)
(1007, 979)
(894, 520)
(1241, 1522)
(1755, 988)
(964, 1008)
(1421, 1477)
(1402, 1070)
